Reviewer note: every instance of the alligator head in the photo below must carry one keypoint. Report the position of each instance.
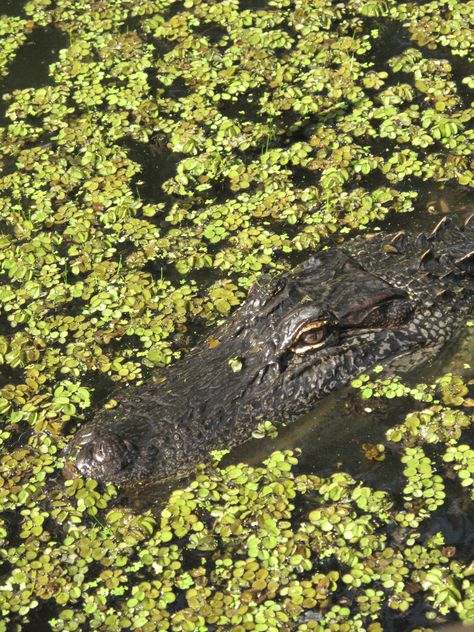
(390, 299)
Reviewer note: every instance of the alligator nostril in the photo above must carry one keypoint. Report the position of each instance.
(102, 450)
(84, 458)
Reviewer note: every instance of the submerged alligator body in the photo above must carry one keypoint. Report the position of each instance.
(391, 299)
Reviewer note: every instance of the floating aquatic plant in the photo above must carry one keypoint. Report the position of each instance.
(176, 151)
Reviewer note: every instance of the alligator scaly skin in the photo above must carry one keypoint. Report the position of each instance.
(391, 299)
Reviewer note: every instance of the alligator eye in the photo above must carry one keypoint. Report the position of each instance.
(313, 337)
(310, 336)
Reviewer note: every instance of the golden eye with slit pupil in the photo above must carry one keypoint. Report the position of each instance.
(313, 337)
(310, 336)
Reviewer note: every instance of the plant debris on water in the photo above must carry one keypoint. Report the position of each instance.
(176, 151)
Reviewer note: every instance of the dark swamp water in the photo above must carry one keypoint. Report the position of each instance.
(331, 437)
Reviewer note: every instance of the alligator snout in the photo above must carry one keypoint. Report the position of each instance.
(101, 455)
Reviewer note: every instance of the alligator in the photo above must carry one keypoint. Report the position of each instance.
(391, 299)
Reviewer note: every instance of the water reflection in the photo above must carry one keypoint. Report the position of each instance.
(12, 7)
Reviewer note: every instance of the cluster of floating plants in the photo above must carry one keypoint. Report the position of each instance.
(244, 547)
(13, 31)
(176, 150)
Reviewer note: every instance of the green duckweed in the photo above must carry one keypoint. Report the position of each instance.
(175, 152)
